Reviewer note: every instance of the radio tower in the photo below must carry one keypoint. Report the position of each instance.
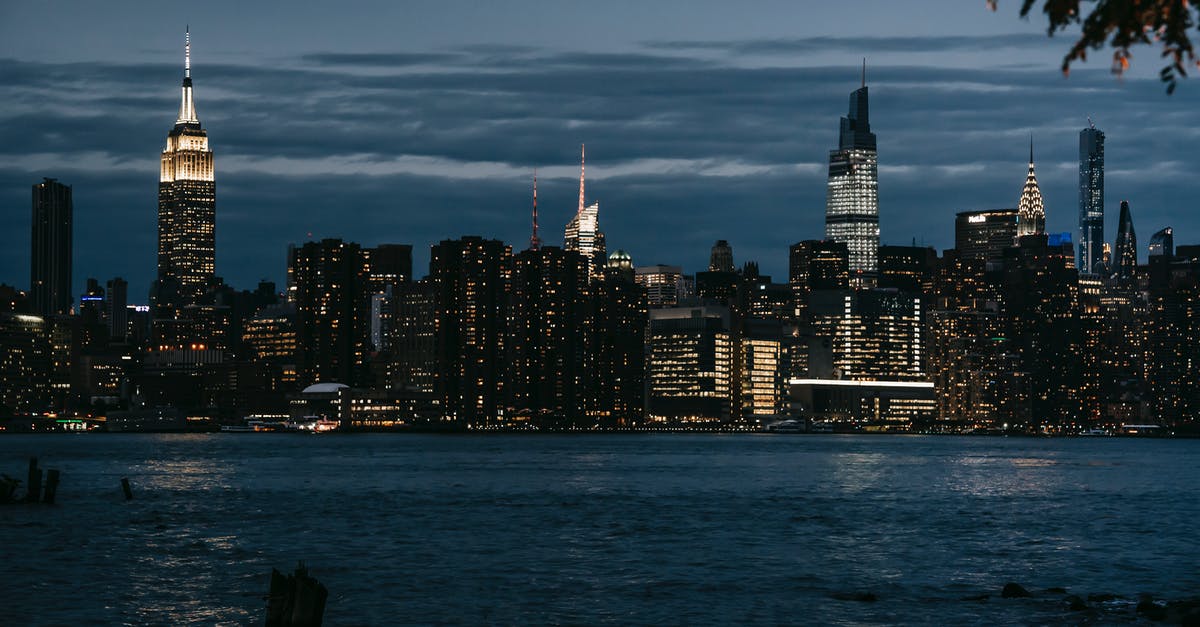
(535, 242)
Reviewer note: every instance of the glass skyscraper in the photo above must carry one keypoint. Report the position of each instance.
(1091, 199)
(852, 203)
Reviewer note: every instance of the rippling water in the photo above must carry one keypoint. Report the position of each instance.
(598, 529)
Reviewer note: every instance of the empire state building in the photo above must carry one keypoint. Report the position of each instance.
(186, 205)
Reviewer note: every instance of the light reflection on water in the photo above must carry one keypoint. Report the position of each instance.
(645, 529)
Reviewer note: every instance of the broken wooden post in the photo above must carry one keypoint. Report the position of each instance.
(295, 600)
(51, 486)
(126, 488)
(33, 491)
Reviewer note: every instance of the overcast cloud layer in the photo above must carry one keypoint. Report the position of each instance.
(688, 140)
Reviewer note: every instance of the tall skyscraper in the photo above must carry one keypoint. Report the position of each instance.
(1091, 199)
(470, 279)
(1125, 257)
(186, 204)
(663, 284)
(852, 201)
(984, 235)
(331, 278)
(583, 234)
(816, 265)
(51, 248)
(1031, 215)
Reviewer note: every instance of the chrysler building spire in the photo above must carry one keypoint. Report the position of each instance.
(1031, 215)
(187, 107)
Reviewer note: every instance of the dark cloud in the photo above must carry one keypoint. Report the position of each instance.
(857, 45)
(681, 151)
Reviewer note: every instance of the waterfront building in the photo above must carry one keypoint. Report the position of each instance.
(761, 371)
(852, 201)
(616, 347)
(186, 206)
(874, 405)
(470, 278)
(689, 365)
(549, 313)
(1031, 214)
(51, 249)
(1091, 199)
(985, 234)
(413, 343)
(977, 374)
(25, 365)
(331, 280)
(876, 333)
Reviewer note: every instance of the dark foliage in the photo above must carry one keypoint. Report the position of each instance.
(1123, 24)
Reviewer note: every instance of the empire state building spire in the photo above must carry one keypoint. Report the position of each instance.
(187, 107)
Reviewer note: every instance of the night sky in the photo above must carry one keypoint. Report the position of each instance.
(384, 122)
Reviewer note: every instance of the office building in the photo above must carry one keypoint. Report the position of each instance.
(582, 234)
(985, 234)
(852, 201)
(690, 365)
(186, 206)
(51, 249)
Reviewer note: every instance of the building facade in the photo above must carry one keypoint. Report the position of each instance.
(51, 249)
(852, 201)
(1091, 200)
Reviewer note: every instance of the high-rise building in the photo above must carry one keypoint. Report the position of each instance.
(186, 206)
(549, 313)
(1031, 215)
(616, 345)
(817, 265)
(50, 263)
(118, 302)
(908, 268)
(583, 234)
(1125, 250)
(25, 363)
(331, 278)
(852, 201)
(413, 343)
(985, 234)
(1162, 243)
(471, 280)
(690, 365)
(1091, 199)
(876, 333)
(721, 257)
(663, 284)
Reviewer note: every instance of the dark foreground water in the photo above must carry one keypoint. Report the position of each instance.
(594, 529)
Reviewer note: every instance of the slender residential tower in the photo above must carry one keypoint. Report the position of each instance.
(1125, 255)
(852, 201)
(186, 203)
(535, 242)
(1091, 200)
(51, 249)
(1031, 215)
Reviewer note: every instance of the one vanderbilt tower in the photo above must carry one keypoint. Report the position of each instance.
(186, 204)
(852, 203)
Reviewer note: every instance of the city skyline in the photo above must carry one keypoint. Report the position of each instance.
(662, 182)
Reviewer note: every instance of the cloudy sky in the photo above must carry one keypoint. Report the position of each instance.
(423, 120)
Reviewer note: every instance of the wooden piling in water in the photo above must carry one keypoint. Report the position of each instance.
(125, 487)
(33, 487)
(295, 600)
(51, 486)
